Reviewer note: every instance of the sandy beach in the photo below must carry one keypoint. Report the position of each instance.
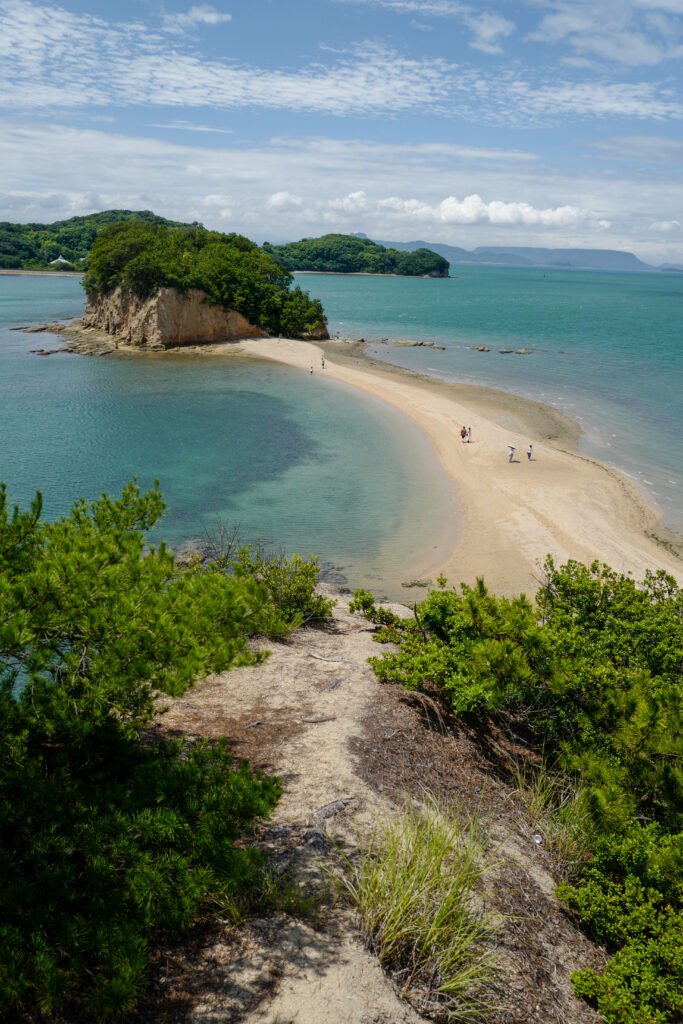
(512, 513)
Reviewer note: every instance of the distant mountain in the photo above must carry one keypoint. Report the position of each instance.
(529, 256)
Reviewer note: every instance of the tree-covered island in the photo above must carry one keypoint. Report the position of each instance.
(232, 273)
(348, 254)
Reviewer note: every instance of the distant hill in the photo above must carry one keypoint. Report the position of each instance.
(35, 246)
(529, 256)
(351, 254)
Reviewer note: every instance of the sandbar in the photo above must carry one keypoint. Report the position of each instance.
(512, 514)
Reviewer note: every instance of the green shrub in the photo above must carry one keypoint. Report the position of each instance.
(630, 897)
(291, 584)
(110, 838)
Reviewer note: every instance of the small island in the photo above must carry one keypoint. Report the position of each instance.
(348, 254)
(155, 286)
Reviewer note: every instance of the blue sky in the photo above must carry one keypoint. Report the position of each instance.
(515, 122)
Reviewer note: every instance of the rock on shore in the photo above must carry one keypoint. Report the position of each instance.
(165, 320)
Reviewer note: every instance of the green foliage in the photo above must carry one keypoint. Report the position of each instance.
(630, 897)
(109, 841)
(291, 584)
(34, 245)
(593, 670)
(478, 649)
(232, 271)
(346, 254)
(363, 601)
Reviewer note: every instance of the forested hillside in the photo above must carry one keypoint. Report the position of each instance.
(347, 254)
(34, 246)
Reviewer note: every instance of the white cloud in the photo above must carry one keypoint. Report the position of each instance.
(50, 58)
(284, 201)
(486, 27)
(189, 126)
(666, 225)
(487, 30)
(437, 8)
(202, 14)
(616, 32)
(655, 149)
(354, 202)
(473, 210)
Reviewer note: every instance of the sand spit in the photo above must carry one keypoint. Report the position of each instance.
(513, 513)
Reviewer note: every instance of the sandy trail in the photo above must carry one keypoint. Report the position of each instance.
(513, 514)
(307, 709)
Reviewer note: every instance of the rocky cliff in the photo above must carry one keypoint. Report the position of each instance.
(165, 320)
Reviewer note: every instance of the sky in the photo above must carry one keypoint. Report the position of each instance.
(553, 123)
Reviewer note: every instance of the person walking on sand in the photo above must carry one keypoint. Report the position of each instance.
(529, 451)
(463, 434)
(469, 434)
(322, 362)
(311, 370)
(511, 452)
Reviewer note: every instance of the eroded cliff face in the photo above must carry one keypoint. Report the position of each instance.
(165, 320)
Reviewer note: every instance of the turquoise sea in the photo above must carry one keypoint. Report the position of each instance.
(608, 351)
(299, 463)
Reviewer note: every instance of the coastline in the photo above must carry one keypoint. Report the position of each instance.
(367, 273)
(509, 516)
(512, 514)
(41, 273)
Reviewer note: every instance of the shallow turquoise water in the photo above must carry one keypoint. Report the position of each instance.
(608, 350)
(295, 461)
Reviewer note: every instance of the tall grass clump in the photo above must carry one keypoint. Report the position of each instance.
(416, 886)
(556, 808)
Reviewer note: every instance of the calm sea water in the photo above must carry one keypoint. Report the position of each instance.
(300, 463)
(608, 351)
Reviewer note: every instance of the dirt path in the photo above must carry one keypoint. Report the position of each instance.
(343, 744)
(295, 715)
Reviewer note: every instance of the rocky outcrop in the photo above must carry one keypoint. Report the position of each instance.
(166, 319)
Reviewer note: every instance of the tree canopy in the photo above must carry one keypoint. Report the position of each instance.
(348, 254)
(34, 246)
(230, 269)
